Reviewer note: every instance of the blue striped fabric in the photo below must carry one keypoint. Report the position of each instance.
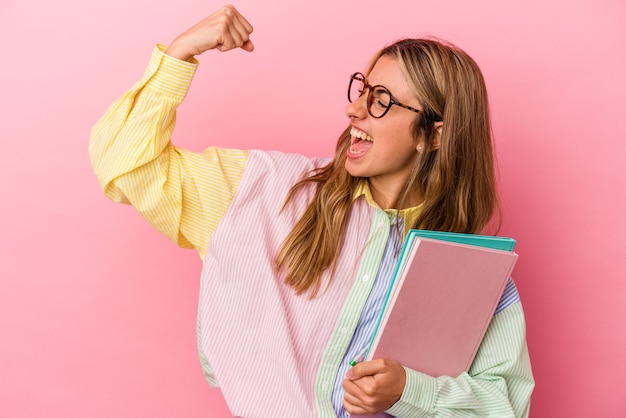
(509, 296)
(367, 322)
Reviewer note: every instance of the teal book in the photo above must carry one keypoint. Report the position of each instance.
(488, 241)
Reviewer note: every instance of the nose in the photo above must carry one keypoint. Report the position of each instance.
(358, 108)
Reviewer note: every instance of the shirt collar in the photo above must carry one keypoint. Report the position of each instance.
(408, 214)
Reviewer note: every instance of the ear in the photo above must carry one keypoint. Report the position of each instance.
(436, 138)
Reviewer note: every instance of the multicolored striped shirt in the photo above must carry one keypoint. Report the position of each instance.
(189, 197)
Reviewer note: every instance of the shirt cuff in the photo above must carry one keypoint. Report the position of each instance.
(418, 398)
(169, 75)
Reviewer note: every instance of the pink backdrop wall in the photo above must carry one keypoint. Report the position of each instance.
(97, 311)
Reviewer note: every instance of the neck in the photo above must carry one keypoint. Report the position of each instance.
(386, 196)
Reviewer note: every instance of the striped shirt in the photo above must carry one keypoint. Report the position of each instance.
(185, 196)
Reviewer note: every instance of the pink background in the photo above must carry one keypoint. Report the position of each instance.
(97, 311)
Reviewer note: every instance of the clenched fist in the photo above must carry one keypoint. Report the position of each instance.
(224, 30)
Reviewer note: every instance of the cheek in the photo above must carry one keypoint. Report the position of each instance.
(397, 131)
(403, 141)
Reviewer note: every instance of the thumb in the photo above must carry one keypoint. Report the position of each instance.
(365, 368)
(248, 46)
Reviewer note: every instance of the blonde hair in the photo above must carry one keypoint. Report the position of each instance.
(456, 179)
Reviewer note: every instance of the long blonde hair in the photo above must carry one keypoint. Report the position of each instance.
(456, 179)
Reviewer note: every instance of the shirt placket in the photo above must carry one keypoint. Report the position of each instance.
(351, 312)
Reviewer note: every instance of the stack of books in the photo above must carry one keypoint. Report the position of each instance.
(440, 302)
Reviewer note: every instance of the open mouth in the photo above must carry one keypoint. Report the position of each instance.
(359, 143)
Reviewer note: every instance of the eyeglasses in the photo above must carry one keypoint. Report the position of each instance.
(379, 99)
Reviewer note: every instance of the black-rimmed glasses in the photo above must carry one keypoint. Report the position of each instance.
(379, 98)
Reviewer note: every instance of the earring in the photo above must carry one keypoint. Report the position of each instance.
(420, 148)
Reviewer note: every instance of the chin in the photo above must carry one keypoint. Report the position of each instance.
(352, 170)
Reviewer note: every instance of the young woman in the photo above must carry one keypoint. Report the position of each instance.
(301, 294)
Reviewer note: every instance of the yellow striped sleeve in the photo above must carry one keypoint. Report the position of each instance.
(181, 193)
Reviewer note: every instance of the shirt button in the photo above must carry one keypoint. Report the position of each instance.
(366, 278)
(324, 385)
(344, 330)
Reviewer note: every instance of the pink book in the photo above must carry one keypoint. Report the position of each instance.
(440, 306)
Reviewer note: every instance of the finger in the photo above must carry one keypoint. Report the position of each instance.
(225, 43)
(242, 25)
(234, 37)
(358, 404)
(365, 387)
(366, 368)
(351, 399)
(230, 39)
(237, 37)
(351, 388)
(244, 22)
(244, 30)
(237, 20)
(359, 390)
(228, 43)
(353, 409)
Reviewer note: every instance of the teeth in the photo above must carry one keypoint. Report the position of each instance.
(361, 135)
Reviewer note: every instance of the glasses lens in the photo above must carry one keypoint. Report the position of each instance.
(356, 88)
(378, 101)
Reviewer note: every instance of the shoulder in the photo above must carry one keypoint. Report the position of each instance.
(279, 167)
(273, 173)
(282, 161)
